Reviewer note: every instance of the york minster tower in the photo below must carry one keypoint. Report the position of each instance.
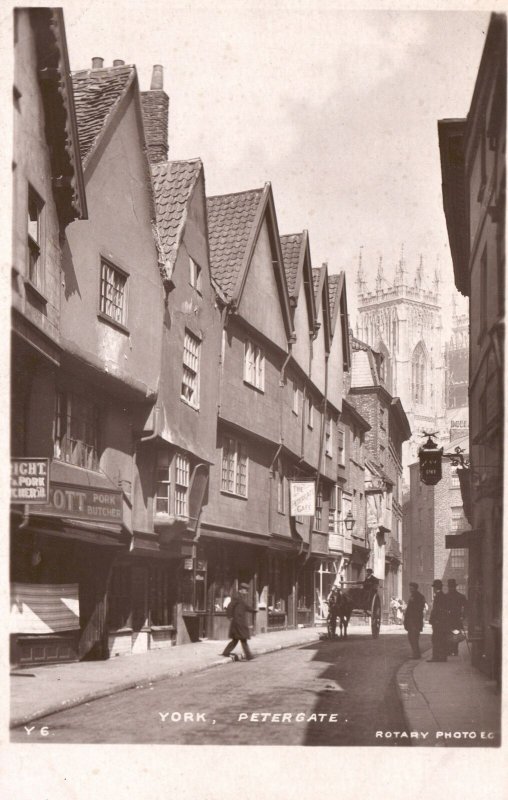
(401, 319)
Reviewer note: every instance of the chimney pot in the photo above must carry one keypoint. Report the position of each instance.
(97, 62)
(157, 78)
(118, 62)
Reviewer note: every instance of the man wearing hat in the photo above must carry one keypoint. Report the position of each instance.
(238, 628)
(413, 618)
(440, 621)
(457, 604)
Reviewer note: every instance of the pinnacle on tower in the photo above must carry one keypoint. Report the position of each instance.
(360, 277)
(379, 276)
(400, 268)
(437, 276)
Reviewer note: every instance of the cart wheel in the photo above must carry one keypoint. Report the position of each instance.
(375, 616)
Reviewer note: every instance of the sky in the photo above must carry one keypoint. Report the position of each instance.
(337, 109)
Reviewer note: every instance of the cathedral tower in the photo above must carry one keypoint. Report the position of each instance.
(401, 319)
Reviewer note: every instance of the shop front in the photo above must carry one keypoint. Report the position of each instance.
(62, 553)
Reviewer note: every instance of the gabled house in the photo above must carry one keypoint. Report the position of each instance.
(246, 530)
(389, 428)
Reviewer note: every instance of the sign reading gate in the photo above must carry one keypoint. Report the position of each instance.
(303, 498)
(29, 480)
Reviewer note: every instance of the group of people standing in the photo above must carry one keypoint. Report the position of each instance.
(446, 617)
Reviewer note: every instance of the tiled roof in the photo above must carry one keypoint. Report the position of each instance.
(173, 182)
(291, 245)
(96, 92)
(230, 219)
(316, 274)
(333, 294)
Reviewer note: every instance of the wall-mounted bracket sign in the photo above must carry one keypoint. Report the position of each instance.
(29, 480)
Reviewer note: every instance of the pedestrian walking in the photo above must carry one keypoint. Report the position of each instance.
(413, 618)
(238, 628)
(457, 604)
(440, 621)
(393, 610)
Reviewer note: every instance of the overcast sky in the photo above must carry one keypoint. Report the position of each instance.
(337, 109)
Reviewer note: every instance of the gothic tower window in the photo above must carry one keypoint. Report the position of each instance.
(418, 369)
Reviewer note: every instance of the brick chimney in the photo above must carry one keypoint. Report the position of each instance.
(155, 105)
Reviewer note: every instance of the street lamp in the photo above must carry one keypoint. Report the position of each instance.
(349, 522)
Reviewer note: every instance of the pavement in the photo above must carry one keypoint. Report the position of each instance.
(436, 698)
(452, 702)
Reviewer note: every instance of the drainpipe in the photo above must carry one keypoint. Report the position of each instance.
(320, 457)
(226, 311)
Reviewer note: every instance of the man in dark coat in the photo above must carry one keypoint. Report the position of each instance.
(440, 621)
(457, 604)
(238, 628)
(413, 618)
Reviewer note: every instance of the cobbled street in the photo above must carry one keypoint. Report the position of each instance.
(337, 693)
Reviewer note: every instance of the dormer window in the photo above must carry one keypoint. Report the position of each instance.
(195, 273)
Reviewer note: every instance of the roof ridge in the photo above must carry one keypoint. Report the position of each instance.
(235, 194)
(98, 70)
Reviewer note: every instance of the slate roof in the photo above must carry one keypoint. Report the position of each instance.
(291, 245)
(230, 220)
(96, 93)
(173, 182)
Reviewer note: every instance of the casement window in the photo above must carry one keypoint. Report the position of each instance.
(281, 493)
(163, 483)
(113, 293)
(34, 237)
(76, 431)
(172, 471)
(334, 510)
(195, 275)
(340, 435)
(190, 377)
(458, 520)
(310, 412)
(329, 437)
(254, 366)
(318, 516)
(234, 477)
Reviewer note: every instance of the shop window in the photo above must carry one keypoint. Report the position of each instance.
(276, 596)
(223, 586)
(254, 366)
(76, 431)
(161, 605)
(195, 274)
(190, 377)
(234, 478)
(193, 584)
(34, 231)
(119, 598)
(113, 294)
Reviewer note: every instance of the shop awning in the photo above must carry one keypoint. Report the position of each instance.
(236, 536)
(76, 529)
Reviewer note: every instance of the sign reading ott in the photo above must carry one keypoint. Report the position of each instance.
(29, 480)
(303, 498)
(82, 502)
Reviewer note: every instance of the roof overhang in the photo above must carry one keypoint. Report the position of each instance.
(451, 145)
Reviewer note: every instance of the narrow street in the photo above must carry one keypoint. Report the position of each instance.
(331, 693)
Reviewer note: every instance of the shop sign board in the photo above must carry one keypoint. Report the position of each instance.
(430, 465)
(82, 502)
(29, 480)
(303, 498)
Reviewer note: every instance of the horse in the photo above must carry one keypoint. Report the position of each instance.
(340, 607)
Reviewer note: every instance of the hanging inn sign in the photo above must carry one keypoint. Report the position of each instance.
(431, 456)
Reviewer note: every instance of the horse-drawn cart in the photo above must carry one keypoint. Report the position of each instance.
(343, 601)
